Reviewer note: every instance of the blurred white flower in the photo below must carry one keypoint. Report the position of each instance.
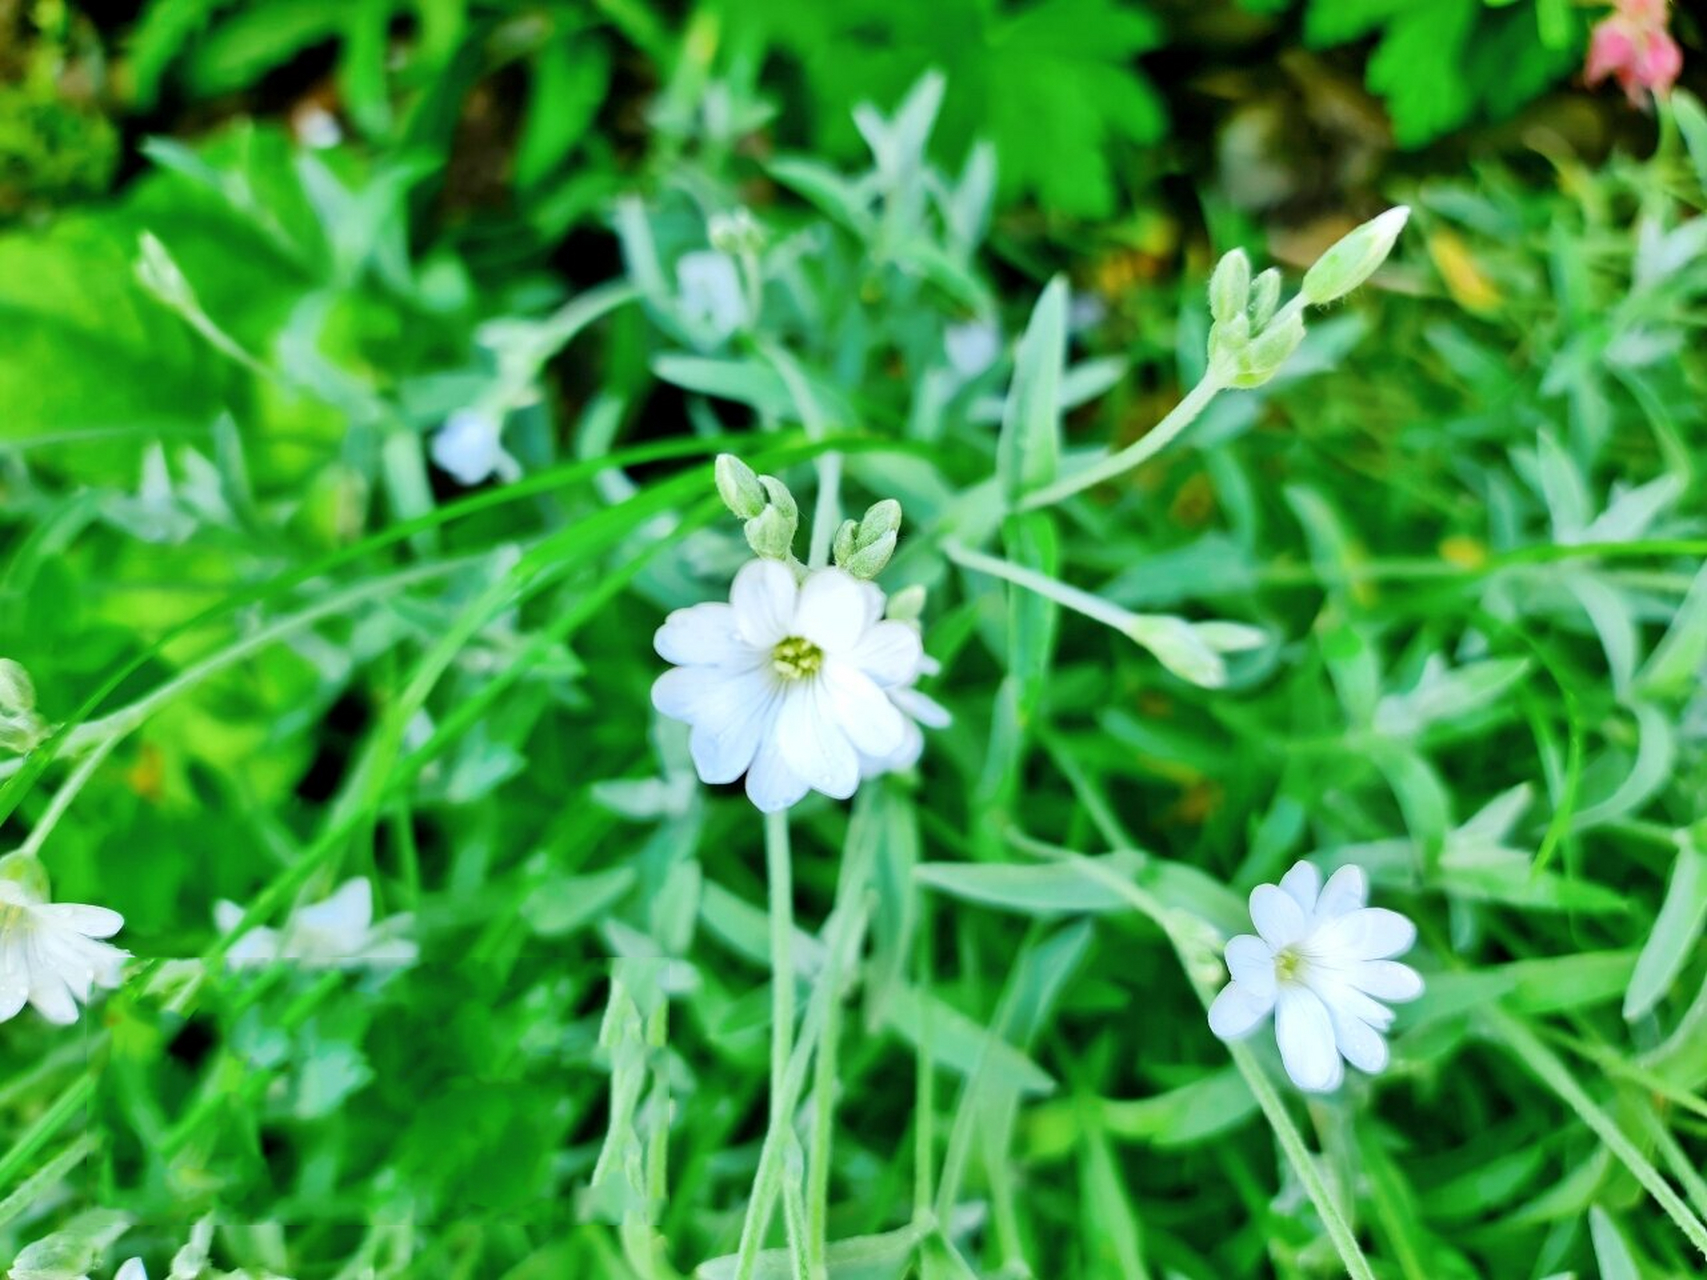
(131, 1270)
(49, 953)
(470, 446)
(711, 296)
(1322, 956)
(337, 933)
(972, 347)
(791, 683)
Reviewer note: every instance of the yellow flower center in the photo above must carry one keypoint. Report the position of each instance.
(1289, 964)
(796, 658)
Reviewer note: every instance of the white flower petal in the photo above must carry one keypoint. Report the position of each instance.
(704, 635)
(904, 756)
(14, 980)
(1306, 1037)
(1337, 993)
(51, 995)
(1347, 890)
(813, 742)
(131, 1270)
(834, 610)
(1368, 933)
(345, 915)
(723, 750)
(1277, 916)
(257, 947)
(921, 707)
(1359, 1043)
(1302, 884)
(771, 783)
(1386, 980)
(92, 922)
(890, 653)
(1251, 962)
(713, 696)
(870, 720)
(763, 598)
(1237, 1011)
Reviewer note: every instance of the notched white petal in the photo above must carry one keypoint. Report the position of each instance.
(1387, 980)
(1302, 884)
(1251, 962)
(763, 597)
(1277, 916)
(1306, 1037)
(1238, 1010)
(833, 611)
(1347, 890)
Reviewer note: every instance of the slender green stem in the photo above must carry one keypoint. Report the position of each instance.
(823, 1132)
(779, 873)
(64, 796)
(1092, 606)
(1135, 454)
(33, 1190)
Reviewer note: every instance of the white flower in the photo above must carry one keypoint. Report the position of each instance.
(131, 1270)
(710, 287)
(1321, 958)
(49, 955)
(337, 933)
(971, 347)
(470, 446)
(790, 683)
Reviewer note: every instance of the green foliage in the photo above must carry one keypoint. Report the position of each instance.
(1441, 64)
(1447, 559)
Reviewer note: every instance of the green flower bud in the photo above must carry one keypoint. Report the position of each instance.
(738, 232)
(1355, 258)
(846, 541)
(17, 694)
(1227, 341)
(781, 498)
(739, 486)
(1176, 645)
(907, 604)
(771, 534)
(881, 518)
(1230, 286)
(871, 559)
(1265, 298)
(1267, 352)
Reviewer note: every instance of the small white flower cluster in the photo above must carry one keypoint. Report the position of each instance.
(800, 681)
(1322, 965)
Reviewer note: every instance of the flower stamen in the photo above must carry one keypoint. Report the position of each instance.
(796, 657)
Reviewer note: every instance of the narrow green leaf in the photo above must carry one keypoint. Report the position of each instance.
(1676, 930)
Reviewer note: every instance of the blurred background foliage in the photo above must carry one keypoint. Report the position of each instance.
(255, 255)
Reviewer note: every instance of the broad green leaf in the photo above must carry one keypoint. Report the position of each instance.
(1041, 889)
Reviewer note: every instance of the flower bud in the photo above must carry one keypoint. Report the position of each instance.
(781, 498)
(1227, 341)
(907, 604)
(738, 232)
(17, 694)
(1355, 258)
(1263, 357)
(1230, 286)
(26, 869)
(871, 559)
(160, 275)
(771, 534)
(881, 519)
(846, 541)
(1175, 643)
(1265, 298)
(739, 486)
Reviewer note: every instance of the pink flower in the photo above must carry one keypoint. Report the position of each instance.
(1633, 45)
